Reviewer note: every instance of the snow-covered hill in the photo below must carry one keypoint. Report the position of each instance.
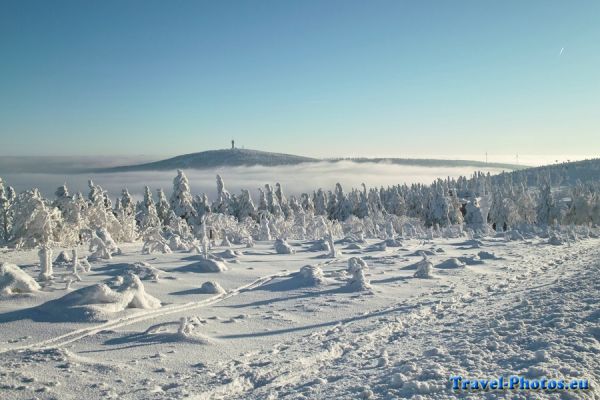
(566, 173)
(216, 158)
(239, 157)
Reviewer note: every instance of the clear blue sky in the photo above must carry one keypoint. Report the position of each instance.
(307, 77)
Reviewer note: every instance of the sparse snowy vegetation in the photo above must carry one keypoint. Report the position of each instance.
(481, 203)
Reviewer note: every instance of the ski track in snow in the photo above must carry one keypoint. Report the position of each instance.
(410, 347)
(345, 350)
(141, 316)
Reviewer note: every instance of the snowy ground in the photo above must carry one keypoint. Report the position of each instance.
(533, 311)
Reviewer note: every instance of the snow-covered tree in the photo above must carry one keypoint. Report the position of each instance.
(201, 206)
(127, 203)
(99, 213)
(181, 198)
(341, 208)
(320, 203)
(34, 222)
(147, 216)
(6, 200)
(283, 203)
(438, 207)
(474, 216)
(245, 207)
(265, 230)
(222, 204)
(307, 203)
(163, 209)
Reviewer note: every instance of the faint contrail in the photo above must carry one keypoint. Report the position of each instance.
(561, 51)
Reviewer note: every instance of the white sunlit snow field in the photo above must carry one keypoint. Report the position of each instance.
(493, 306)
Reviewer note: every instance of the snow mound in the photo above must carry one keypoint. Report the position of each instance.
(211, 287)
(353, 246)
(393, 243)
(98, 302)
(144, 271)
(486, 255)
(229, 253)
(555, 239)
(471, 244)
(471, 260)
(513, 235)
(208, 265)
(378, 247)
(282, 247)
(424, 269)
(14, 280)
(320, 245)
(421, 253)
(359, 282)
(451, 263)
(311, 275)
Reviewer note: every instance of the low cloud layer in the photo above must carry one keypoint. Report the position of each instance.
(294, 179)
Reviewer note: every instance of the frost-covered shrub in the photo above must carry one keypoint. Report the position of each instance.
(424, 269)
(102, 245)
(358, 282)
(319, 245)
(188, 331)
(265, 230)
(156, 243)
(311, 275)
(282, 247)
(451, 263)
(144, 271)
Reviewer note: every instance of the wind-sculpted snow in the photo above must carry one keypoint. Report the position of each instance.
(309, 332)
(98, 302)
(13, 280)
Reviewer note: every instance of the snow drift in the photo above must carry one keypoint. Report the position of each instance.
(14, 280)
(98, 302)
